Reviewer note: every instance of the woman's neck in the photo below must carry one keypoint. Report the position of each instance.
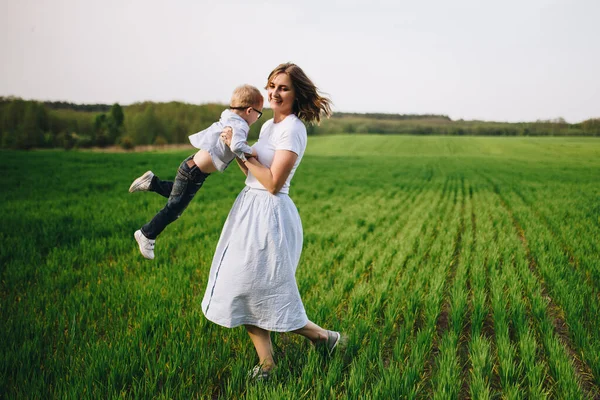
(278, 117)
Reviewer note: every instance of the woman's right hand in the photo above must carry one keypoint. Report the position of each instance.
(226, 135)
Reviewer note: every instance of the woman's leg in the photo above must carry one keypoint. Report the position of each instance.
(313, 332)
(320, 337)
(262, 343)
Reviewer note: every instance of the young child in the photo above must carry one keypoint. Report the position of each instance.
(244, 110)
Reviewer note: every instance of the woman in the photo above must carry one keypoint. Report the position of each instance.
(252, 278)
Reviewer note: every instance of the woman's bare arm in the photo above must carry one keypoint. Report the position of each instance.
(243, 167)
(273, 178)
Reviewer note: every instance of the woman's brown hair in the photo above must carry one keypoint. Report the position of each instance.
(309, 103)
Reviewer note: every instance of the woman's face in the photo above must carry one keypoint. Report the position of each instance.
(281, 94)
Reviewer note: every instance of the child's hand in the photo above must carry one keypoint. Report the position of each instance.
(226, 135)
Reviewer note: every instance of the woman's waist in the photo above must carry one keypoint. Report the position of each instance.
(262, 191)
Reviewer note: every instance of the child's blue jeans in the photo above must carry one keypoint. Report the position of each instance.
(179, 192)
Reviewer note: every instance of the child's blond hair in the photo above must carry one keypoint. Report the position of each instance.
(245, 96)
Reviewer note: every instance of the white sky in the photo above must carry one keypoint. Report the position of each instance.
(512, 60)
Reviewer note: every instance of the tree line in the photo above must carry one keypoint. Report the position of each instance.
(26, 124)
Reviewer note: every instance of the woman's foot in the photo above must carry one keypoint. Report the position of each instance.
(320, 338)
(260, 373)
(328, 342)
(333, 339)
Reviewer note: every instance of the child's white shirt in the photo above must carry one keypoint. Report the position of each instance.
(209, 140)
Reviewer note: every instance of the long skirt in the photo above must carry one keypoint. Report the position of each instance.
(252, 277)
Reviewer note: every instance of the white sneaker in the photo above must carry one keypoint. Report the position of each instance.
(259, 374)
(333, 338)
(146, 245)
(142, 184)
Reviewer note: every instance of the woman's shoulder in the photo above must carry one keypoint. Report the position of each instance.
(291, 125)
(266, 126)
(292, 122)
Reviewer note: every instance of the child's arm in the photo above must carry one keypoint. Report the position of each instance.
(239, 145)
(226, 137)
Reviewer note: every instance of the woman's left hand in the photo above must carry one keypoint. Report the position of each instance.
(226, 135)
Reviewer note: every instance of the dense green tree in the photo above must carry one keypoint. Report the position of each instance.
(100, 135)
(592, 126)
(116, 113)
(33, 124)
(108, 128)
(146, 127)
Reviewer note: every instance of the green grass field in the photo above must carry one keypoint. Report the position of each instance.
(458, 267)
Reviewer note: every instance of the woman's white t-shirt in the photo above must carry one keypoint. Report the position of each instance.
(289, 134)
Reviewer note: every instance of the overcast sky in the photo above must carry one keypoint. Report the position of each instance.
(491, 60)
